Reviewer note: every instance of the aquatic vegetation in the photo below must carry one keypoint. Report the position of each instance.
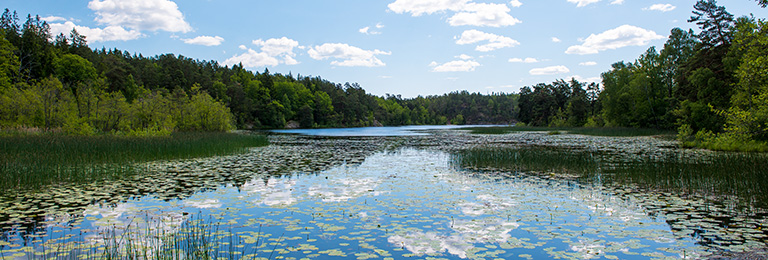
(592, 131)
(33, 161)
(685, 172)
(448, 195)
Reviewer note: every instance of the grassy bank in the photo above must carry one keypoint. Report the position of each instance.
(32, 161)
(593, 131)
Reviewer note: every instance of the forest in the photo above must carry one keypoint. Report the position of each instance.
(58, 83)
(711, 86)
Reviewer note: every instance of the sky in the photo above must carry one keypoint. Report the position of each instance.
(398, 47)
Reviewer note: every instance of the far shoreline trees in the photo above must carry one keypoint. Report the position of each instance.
(57, 82)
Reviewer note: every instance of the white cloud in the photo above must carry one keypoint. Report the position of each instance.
(617, 2)
(277, 46)
(420, 7)
(51, 19)
(464, 57)
(515, 3)
(583, 79)
(494, 41)
(141, 15)
(205, 40)
(581, 3)
(367, 30)
(622, 36)
(588, 63)
(273, 52)
(350, 56)
(455, 66)
(526, 60)
(467, 12)
(552, 70)
(661, 7)
(109, 33)
(555, 39)
(491, 15)
(252, 58)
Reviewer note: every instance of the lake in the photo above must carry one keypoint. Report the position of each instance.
(441, 194)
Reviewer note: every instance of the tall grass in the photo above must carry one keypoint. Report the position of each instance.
(592, 131)
(194, 238)
(744, 175)
(33, 161)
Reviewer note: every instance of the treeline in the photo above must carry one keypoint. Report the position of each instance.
(59, 82)
(711, 86)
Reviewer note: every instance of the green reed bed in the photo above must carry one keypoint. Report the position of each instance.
(744, 175)
(32, 161)
(538, 159)
(148, 238)
(592, 131)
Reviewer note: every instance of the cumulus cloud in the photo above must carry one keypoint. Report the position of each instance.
(420, 7)
(347, 56)
(491, 15)
(555, 39)
(467, 12)
(273, 52)
(464, 57)
(526, 60)
(205, 40)
(617, 2)
(252, 58)
(51, 19)
(622, 36)
(552, 70)
(142, 15)
(515, 3)
(661, 7)
(588, 63)
(455, 66)
(109, 33)
(581, 3)
(494, 41)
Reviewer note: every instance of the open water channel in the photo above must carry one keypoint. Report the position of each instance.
(440, 194)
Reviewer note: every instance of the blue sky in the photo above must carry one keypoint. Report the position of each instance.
(408, 47)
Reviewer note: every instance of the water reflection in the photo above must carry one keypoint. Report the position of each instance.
(351, 199)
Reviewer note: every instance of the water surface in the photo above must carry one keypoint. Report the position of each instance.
(380, 198)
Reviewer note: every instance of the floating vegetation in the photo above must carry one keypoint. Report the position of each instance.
(450, 195)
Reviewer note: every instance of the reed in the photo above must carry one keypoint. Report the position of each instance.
(592, 131)
(719, 174)
(194, 238)
(33, 161)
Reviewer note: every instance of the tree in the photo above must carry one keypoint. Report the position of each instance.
(9, 64)
(715, 23)
(747, 119)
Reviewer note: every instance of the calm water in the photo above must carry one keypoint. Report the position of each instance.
(352, 199)
(374, 131)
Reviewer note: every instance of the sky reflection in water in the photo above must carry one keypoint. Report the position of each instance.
(413, 203)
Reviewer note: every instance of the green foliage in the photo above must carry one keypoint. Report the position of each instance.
(558, 104)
